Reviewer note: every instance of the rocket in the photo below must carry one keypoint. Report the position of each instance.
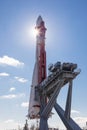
(39, 73)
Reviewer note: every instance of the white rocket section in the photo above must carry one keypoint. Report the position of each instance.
(34, 105)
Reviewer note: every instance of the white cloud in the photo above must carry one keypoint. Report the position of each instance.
(12, 89)
(25, 104)
(4, 74)
(75, 111)
(22, 80)
(81, 121)
(12, 96)
(5, 60)
(9, 121)
(9, 124)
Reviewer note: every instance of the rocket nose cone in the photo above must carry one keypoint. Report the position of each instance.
(39, 20)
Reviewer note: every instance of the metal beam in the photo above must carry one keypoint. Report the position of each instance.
(43, 123)
(68, 102)
(52, 100)
(69, 123)
(46, 109)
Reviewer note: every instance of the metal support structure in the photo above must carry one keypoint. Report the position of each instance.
(51, 90)
(68, 102)
(56, 85)
(46, 109)
(43, 121)
(52, 100)
(69, 123)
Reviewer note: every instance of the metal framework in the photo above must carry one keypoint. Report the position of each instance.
(50, 89)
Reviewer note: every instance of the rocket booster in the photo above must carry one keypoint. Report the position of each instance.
(39, 73)
(40, 49)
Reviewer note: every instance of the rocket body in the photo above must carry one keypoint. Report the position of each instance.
(39, 73)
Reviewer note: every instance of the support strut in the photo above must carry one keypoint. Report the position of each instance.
(46, 109)
(69, 123)
(68, 102)
(52, 100)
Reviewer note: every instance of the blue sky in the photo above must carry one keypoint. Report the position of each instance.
(66, 41)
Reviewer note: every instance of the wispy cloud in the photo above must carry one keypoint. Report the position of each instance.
(12, 89)
(5, 60)
(12, 96)
(9, 121)
(22, 80)
(25, 104)
(4, 74)
(75, 111)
